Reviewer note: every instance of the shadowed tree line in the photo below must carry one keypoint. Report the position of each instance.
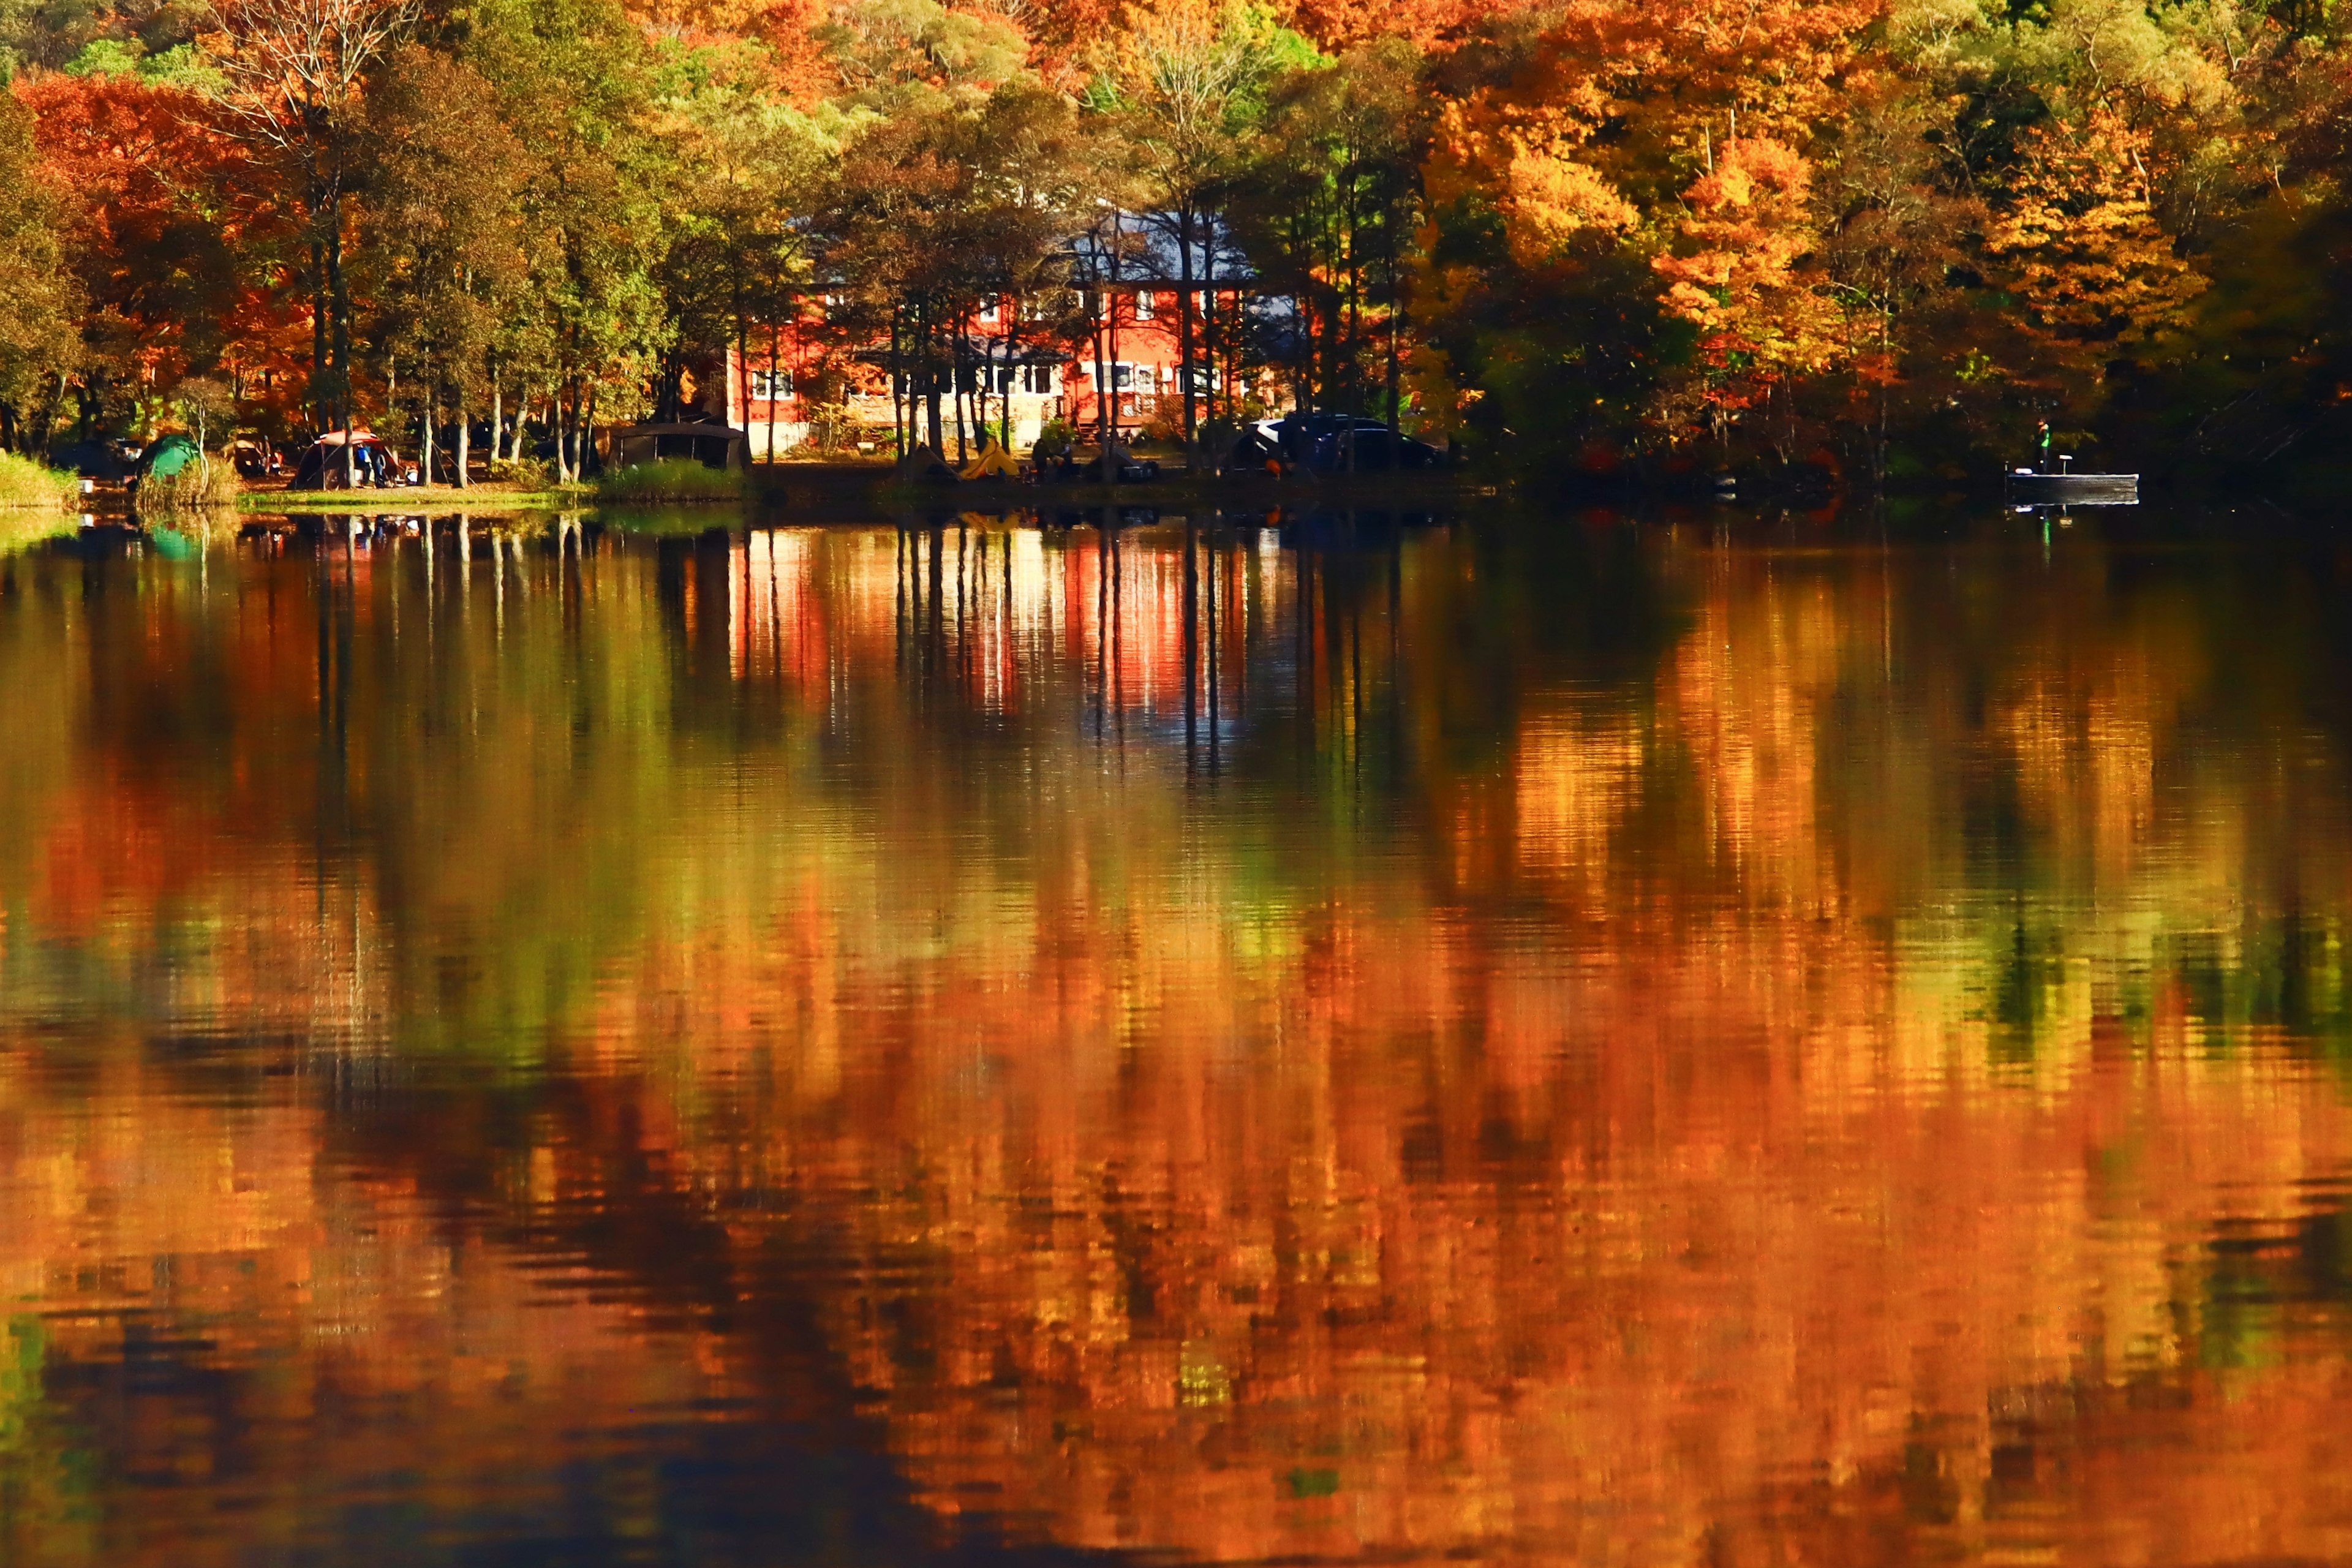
(1880, 239)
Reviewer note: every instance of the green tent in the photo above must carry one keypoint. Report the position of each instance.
(168, 456)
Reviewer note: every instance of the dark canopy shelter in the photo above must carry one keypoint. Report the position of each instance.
(322, 468)
(712, 446)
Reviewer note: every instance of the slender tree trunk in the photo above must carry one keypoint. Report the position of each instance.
(1111, 473)
(931, 358)
(775, 369)
(560, 427)
(338, 299)
(742, 360)
(1102, 381)
(424, 458)
(1396, 331)
(1185, 373)
(498, 419)
(897, 378)
(962, 393)
(464, 444)
(318, 387)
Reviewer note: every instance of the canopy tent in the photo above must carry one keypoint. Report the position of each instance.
(993, 462)
(322, 466)
(168, 456)
(712, 446)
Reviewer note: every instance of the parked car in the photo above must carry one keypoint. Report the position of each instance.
(1340, 442)
(255, 458)
(95, 459)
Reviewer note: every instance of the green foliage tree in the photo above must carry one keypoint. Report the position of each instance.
(445, 258)
(40, 298)
(295, 72)
(1329, 214)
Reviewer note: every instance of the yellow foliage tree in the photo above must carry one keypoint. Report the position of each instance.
(2088, 261)
(1737, 272)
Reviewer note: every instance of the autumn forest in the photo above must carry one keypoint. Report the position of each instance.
(1881, 240)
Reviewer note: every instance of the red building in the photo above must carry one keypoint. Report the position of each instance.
(1012, 369)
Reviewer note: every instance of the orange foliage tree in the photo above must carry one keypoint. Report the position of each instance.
(157, 225)
(2091, 265)
(1739, 274)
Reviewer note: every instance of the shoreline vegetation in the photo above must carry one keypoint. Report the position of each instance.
(1864, 245)
(36, 502)
(30, 486)
(789, 486)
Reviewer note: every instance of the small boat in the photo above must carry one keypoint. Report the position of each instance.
(2031, 487)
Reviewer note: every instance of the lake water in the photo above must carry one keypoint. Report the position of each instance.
(1512, 1041)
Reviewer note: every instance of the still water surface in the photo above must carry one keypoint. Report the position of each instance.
(1530, 1041)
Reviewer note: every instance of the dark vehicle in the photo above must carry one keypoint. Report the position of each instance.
(1068, 468)
(1370, 448)
(322, 466)
(1334, 443)
(713, 446)
(95, 459)
(254, 457)
(1344, 443)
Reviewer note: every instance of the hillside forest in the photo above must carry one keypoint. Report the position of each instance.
(1884, 240)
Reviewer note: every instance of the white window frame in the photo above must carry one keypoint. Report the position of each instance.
(772, 385)
(1144, 304)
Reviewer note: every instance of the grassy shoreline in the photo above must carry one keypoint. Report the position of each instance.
(27, 486)
(420, 498)
(882, 488)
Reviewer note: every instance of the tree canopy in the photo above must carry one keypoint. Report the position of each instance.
(1882, 236)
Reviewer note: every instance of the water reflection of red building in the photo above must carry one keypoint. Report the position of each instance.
(990, 604)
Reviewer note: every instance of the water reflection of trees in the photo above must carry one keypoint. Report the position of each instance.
(1529, 1037)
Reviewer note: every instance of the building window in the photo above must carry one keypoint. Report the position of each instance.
(988, 310)
(771, 386)
(1037, 378)
(1143, 304)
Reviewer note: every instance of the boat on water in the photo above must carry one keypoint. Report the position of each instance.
(2034, 487)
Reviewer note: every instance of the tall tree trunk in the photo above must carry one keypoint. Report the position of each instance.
(960, 392)
(464, 445)
(339, 301)
(930, 357)
(775, 369)
(1110, 473)
(1102, 381)
(1396, 364)
(424, 458)
(742, 362)
(560, 427)
(319, 389)
(899, 387)
(1185, 373)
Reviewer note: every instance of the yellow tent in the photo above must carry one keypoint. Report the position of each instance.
(993, 461)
